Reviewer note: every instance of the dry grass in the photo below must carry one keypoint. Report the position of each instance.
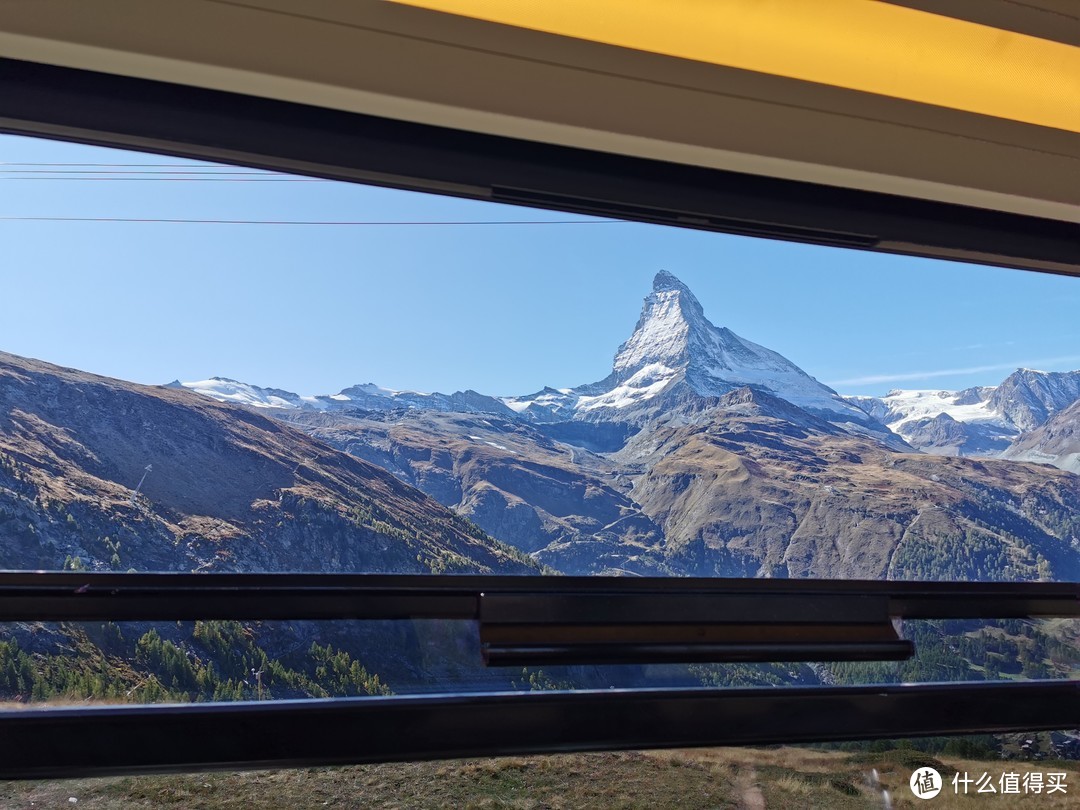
(794, 786)
(804, 760)
(608, 780)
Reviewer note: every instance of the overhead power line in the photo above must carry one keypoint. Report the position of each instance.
(351, 223)
(124, 165)
(141, 171)
(175, 179)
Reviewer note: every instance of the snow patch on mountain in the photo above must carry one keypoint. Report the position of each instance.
(546, 405)
(643, 384)
(368, 397)
(903, 407)
(983, 420)
(951, 423)
(669, 320)
(238, 393)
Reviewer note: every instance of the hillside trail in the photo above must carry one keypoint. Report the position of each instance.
(750, 797)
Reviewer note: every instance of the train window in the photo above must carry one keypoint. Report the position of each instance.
(211, 369)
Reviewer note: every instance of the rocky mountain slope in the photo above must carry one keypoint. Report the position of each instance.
(748, 486)
(228, 488)
(746, 491)
(541, 495)
(1056, 441)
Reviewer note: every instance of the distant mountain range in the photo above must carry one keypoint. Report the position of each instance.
(673, 353)
(367, 397)
(675, 356)
(704, 453)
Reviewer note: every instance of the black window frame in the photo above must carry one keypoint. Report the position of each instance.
(136, 114)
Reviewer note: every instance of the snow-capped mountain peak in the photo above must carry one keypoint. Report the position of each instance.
(671, 320)
(674, 340)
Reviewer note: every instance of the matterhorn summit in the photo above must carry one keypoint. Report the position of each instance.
(671, 331)
(677, 356)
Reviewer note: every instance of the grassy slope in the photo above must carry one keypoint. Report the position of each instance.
(716, 778)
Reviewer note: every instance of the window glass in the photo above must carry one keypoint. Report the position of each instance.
(220, 369)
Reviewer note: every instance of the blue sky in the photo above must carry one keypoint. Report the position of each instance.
(500, 309)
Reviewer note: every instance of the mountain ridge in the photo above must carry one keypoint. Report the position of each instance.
(226, 487)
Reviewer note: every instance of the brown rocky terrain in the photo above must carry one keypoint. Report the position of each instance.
(509, 477)
(741, 491)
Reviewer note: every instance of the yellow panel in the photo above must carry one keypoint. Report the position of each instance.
(861, 45)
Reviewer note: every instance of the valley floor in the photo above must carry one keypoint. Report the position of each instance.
(731, 778)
